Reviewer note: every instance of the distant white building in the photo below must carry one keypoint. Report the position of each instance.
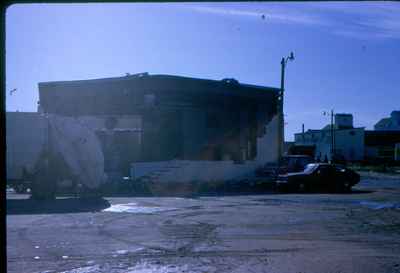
(391, 123)
(348, 141)
(383, 143)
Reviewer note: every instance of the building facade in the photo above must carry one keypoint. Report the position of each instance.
(381, 144)
(347, 141)
(172, 118)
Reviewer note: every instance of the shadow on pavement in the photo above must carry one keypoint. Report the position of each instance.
(354, 191)
(64, 205)
(360, 191)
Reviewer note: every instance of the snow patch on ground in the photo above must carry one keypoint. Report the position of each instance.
(143, 267)
(148, 267)
(135, 208)
(380, 205)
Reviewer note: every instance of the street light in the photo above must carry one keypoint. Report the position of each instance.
(280, 103)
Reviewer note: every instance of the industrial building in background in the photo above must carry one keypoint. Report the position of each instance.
(391, 123)
(352, 144)
(383, 143)
(348, 141)
(166, 127)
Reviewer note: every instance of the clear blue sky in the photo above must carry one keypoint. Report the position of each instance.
(347, 54)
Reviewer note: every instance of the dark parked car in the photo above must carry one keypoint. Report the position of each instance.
(319, 177)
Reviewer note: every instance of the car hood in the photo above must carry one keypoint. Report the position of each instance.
(293, 174)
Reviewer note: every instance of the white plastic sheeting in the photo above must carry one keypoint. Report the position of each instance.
(80, 148)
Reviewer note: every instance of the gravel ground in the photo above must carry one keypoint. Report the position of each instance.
(357, 232)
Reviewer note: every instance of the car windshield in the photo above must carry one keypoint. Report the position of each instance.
(310, 168)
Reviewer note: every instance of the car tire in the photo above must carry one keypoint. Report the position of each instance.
(346, 186)
(302, 187)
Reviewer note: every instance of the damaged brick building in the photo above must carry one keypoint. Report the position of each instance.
(153, 118)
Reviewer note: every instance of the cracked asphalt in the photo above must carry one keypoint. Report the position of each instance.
(357, 232)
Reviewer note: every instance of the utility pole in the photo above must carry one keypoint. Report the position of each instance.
(332, 129)
(332, 138)
(280, 105)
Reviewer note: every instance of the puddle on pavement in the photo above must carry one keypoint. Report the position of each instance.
(135, 208)
(380, 205)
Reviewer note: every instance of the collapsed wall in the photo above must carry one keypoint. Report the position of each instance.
(209, 171)
(267, 145)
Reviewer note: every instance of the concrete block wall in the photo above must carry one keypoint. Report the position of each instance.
(141, 169)
(187, 171)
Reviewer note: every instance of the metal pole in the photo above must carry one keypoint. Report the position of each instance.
(333, 132)
(332, 139)
(280, 110)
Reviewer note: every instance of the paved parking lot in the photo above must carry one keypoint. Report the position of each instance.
(358, 232)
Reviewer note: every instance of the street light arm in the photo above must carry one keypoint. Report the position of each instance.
(288, 58)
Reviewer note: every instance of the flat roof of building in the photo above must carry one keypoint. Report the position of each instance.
(176, 82)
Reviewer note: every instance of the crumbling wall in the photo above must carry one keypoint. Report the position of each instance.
(215, 170)
(267, 145)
